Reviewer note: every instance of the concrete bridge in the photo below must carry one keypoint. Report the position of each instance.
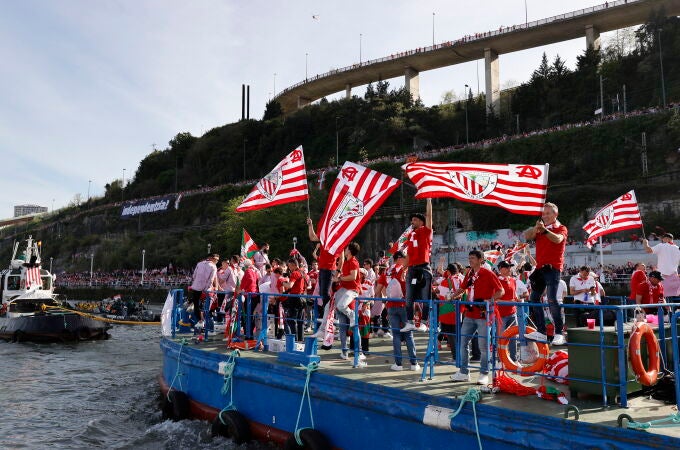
(588, 22)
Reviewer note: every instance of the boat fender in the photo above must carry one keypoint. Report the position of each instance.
(311, 440)
(569, 408)
(180, 405)
(231, 424)
(645, 377)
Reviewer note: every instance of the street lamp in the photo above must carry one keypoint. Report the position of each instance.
(467, 135)
(294, 241)
(526, 16)
(360, 48)
(306, 57)
(209, 247)
(433, 29)
(91, 266)
(663, 84)
(143, 254)
(50, 264)
(122, 187)
(89, 183)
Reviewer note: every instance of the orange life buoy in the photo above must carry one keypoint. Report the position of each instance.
(644, 376)
(509, 364)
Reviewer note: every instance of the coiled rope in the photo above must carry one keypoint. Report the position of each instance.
(311, 367)
(228, 386)
(472, 395)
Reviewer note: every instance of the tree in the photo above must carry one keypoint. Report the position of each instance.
(543, 71)
(559, 67)
(272, 110)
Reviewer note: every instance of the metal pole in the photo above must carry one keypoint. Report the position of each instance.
(50, 264)
(274, 84)
(122, 188)
(359, 48)
(601, 99)
(294, 242)
(143, 254)
(89, 183)
(663, 84)
(91, 266)
(526, 15)
(467, 136)
(306, 57)
(433, 29)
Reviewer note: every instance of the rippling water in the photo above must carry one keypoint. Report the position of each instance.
(101, 394)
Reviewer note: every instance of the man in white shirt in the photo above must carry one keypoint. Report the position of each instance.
(668, 255)
(582, 286)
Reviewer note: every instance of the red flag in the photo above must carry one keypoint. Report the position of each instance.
(519, 188)
(518, 247)
(621, 214)
(356, 194)
(33, 277)
(286, 183)
(248, 246)
(400, 243)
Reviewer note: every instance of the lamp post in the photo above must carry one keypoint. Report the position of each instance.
(89, 183)
(294, 241)
(209, 247)
(91, 266)
(663, 84)
(467, 135)
(337, 144)
(52, 205)
(50, 264)
(526, 16)
(433, 29)
(122, 187)
(143, 254)
(360, 48)
(274, 84)
(306, 58)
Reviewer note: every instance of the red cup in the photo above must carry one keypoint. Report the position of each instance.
(591, 324)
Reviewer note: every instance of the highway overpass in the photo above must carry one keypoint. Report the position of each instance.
(588, 23)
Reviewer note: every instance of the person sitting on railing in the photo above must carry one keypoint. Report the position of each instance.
(483, 286)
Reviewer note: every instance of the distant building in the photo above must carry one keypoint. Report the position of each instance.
(23, 210)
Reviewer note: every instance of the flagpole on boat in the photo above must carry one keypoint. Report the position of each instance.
(601, 256)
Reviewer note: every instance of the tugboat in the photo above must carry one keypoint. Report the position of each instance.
(30, 310)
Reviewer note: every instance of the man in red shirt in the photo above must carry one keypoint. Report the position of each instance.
(639, 275)
(483, 286)
(327, 265)
(419, 274)
(249, 289)
(350, 287)
(551, 239)
(293, 307)
(650, 291)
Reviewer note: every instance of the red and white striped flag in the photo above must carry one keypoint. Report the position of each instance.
(518, 247)
(286, 183)
(621, 214)
(33, 276)
(400, 243)
(519, 188)
(491, 256)
(356, 194)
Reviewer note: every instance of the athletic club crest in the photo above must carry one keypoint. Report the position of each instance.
(475, 184)
(350, 207)
(270, 184)
(604, 218)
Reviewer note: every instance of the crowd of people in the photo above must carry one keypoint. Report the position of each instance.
(389, 298)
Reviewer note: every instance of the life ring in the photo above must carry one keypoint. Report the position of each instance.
(231, 424)
(645, 377)
(311, 440)
(509, 364)
(177, 406)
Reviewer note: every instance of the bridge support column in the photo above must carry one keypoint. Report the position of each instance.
(348, 91)
(592, 37)
(493, 93)
(302, 102)
(412, 83)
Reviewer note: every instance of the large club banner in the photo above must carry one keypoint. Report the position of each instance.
(153, 205)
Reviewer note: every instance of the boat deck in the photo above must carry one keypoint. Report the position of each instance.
(640, 408)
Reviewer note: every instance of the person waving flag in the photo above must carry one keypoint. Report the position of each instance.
(356, 194)
(286, 183)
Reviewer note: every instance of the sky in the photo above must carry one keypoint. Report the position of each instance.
(89, 88)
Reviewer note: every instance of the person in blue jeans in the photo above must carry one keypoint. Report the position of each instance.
(483, 286)
(397, 317)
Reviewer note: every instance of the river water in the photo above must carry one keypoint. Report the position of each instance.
(100, 394)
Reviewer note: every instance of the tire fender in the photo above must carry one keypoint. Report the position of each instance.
(311, 440)
(231, 424)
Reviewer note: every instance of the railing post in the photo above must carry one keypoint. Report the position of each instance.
(356, 333)
(662, 336)
(603, 367)
(676, 358)
(621, 349)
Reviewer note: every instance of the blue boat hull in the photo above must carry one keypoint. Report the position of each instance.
(352, 413)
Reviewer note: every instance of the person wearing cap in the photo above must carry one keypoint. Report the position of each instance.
(651, 290)
(419, 274)
(551, 240)
(668, 259)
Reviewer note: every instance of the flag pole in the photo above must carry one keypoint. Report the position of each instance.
(601, 256)
(309, 214)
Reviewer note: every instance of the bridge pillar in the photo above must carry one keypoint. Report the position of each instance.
(302, 102)
(592, 37)
(493, 93)
(412, 83)
(348, 91)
